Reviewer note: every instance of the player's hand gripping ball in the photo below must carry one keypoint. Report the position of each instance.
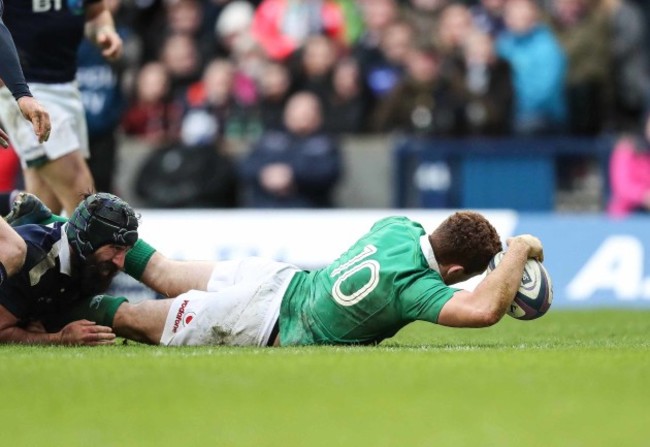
(535, 293)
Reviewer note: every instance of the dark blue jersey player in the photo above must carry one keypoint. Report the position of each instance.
(97, 237)
(69, 265)
(12, 75)
(47, 34)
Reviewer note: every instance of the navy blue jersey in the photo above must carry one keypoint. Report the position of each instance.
(10, 72)
(45, 285)
(47, 34)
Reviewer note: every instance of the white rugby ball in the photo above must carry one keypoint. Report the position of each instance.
(535, 294)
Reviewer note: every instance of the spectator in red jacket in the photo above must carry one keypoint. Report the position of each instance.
(282, 26)
(152, 117)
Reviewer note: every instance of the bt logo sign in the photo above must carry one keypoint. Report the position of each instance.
(76, 7)
(46, 5)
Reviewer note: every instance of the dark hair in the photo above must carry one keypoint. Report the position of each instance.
(101, 219)
(466, 238)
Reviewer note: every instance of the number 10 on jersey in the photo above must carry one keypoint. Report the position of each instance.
(356, 265)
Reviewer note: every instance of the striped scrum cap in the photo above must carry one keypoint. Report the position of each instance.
(101, 219)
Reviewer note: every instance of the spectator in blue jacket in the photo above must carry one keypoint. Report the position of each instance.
(296, 167)
(539, 69)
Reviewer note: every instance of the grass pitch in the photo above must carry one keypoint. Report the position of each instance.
(568, 379)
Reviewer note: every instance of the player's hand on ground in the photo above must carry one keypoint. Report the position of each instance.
(4, 139)
(84, 332)
(534, 245)
(37, 115)
(110, 43)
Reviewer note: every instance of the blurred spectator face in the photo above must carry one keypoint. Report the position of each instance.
(319, 56)
(397, 41)
(249, 57)
(479, 49)
(152, 83)
(234, 23)
(521, 16)
(218, 79)
(494, 6)
(184, 16)
(455, 23)
(378, 14)
(569, 12)
(180, 56)
(428, 5)
(423, 65)
(276, 81)
(347, 78)
(302, 115)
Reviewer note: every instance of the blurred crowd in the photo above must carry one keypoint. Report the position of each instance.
(290, 76)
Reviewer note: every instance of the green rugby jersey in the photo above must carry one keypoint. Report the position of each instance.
(383, 282)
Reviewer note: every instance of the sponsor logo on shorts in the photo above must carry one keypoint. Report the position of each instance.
(188, 318)
(179, 316)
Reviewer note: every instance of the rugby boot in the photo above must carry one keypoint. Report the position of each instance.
(26, 209)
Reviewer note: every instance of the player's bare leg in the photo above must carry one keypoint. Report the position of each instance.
(37, 186)
(143, 322)
(69, 178)
(170, 277)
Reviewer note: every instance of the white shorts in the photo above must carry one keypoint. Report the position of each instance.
(240, 308)
(69, 130)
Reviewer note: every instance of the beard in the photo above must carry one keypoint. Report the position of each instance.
(96, 276)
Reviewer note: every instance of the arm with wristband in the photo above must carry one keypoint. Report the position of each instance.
(166, 276)
(80, 332)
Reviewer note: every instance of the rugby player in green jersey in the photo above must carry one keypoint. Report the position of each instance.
(393, 275)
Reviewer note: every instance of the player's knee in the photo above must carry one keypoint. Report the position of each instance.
(142, 322)
(13, 255)
(127, 323)
(69, 171)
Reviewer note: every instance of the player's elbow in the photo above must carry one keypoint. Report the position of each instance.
(488, 317)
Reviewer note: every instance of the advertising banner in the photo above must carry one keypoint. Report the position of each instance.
(594, 261)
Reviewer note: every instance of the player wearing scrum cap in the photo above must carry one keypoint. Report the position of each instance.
(393, 275)
(66, 266)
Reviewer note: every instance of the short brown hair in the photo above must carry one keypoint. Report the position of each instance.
(466, 238)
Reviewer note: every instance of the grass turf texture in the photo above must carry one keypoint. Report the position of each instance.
(568, 379)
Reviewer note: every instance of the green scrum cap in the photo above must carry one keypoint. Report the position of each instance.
(101, 219)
